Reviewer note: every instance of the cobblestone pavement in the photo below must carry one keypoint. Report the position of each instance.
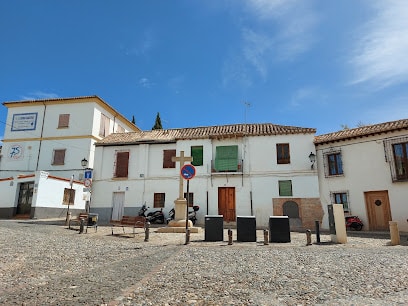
(44, 263)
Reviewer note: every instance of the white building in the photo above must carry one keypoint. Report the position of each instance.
(54, 135)
(366, 170)
(241, 170)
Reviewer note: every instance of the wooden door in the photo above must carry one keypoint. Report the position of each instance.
(118, 203)
(378, 210)
(226, 203)
(25, 198)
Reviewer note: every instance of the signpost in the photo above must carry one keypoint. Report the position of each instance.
(187, 172)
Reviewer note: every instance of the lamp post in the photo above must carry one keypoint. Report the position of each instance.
(312, 158)
(68, 218)
(84, 164)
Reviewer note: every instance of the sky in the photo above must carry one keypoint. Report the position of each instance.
(308, 63)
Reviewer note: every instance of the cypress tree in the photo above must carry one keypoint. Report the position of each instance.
(157, 125)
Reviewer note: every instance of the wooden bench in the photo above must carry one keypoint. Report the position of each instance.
(129, 221)
(85, 218)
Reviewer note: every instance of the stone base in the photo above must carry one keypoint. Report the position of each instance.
(180, 223)
(177, 230)
(178, 226)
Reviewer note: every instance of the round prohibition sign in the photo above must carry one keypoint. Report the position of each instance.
(87, 182)
(188, 172)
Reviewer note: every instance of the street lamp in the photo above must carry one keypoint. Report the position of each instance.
(312, 158)
(84, 163)
(68, 218)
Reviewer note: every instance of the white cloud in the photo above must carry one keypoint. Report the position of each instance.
(309, 95)
(380, 56)
(39, 95)
(176, 83)
(145, 83)
(292, 21)
(276, 30)
(142, 46)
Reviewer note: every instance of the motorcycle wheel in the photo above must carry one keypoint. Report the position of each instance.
(357, 227)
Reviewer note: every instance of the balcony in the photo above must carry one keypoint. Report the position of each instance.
(231, 165)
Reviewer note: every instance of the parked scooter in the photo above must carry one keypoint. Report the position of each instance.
(154, 216)
(192, 215)
(354, 222)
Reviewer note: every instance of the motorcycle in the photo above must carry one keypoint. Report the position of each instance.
(354, 222)
(192, 215)
(154, 216)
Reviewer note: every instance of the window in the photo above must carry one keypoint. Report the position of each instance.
(104, 126)
(191, 198)
(341, 198)
(159, 199)
(400, 151)
(122, 164)
(167, 156)
(197, 154)
(226, 158)
(59, 157)
(63, 121)
(282, 153)
(69, 196)
(335, 164)
(285, 188)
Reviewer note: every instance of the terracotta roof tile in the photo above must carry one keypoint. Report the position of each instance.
(221, 131)
(362, 131)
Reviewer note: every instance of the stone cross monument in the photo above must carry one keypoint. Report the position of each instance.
(180, 205)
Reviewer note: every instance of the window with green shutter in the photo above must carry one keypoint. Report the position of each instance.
(226, 158)
(197, 154)
(285, 188)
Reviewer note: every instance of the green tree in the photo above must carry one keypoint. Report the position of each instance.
(157, 125)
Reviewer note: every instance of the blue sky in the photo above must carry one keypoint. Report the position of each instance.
(319, 64)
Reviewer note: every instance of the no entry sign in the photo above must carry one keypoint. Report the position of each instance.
(188, 172)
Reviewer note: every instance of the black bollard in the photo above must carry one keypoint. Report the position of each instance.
(147, 231)
(317, 224)
(187, 236)
(229, 237)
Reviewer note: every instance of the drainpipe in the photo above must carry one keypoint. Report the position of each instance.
(42, 130)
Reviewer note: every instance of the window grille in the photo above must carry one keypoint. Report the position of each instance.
(326, 166)
(396, 166)
(158, 200)
(282, 153)
(341, 197)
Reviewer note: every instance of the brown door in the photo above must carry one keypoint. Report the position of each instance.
(226, 203)
(378, 210)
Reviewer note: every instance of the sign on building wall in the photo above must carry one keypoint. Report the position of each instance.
(24, 122)
(15, 152)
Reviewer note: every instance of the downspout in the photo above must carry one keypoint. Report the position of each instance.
(42, 130)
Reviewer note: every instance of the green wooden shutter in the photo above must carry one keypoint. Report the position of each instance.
(226, 158)
(285, 188)
(197, 154)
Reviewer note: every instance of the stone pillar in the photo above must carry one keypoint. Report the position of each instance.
(394, 233)
(340, 224)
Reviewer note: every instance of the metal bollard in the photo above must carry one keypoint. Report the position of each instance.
(266, 237)
(187, 236)
(81, 225)
(68, 220)
(229, 237)
(147, 231)
(317, 224)
(308, 237)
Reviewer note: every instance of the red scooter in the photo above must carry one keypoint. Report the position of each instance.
(354, 222)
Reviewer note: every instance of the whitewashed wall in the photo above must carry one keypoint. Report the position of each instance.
(365, 169)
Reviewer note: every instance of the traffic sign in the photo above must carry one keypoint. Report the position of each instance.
(87, 182)
(88, 174)
(188, 172)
